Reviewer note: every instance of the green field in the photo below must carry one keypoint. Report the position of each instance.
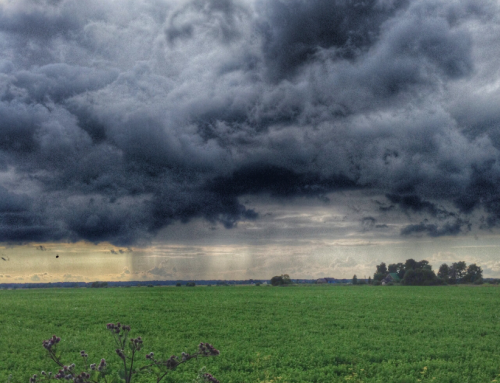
(268, 334)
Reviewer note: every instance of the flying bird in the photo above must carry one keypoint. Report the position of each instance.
(6, 259)
(57, 256)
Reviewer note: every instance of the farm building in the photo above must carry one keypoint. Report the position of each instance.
(391, 277)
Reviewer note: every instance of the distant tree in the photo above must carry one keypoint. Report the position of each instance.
(191, 284)
(457, 271)
(178, 284)
(286, 279)
(369, 280)
(401, 270)
(280, 280)
(410, 264)
(420, 277)
(398, 268)
(378, 276)
(277, 280)
(473, 273)
(423, 265)
(354, 280)
(393, 268)
(444, 272)
(382, 269)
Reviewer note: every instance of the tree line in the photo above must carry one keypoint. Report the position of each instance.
(420, 273)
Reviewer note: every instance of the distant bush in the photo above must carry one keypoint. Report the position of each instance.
(99, 284)
(376, 282)
(191, 284)
(150, 285)
(178, 284)
(280, 280)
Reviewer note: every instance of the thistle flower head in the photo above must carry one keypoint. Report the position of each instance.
(210, 378)
(171, 362)
(102, 365)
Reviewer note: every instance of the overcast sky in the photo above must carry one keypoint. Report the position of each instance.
(241, 139)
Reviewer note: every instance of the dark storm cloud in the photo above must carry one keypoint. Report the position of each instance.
(450, 228)
(223, 14)
(118, 121)
(417, 204)
(295, 31)
(278, 182)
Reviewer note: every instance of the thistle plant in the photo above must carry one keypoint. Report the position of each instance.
(126, 350)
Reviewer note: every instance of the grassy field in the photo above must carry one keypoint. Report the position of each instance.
(265, 334)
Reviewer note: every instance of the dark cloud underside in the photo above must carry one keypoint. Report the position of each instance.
(118, 121)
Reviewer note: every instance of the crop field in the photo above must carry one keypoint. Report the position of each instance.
(267, 334)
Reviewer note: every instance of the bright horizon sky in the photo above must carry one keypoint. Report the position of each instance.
(236, 139)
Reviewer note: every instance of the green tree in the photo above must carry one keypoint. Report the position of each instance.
(444, 272)
(457, 271)
(420, 277)
(401, 270)
(354, 280)
(278, 280)
(423, 265)
(410, 264)
(473, 273)
(369, 280)
(286, 279)
(382, 269)
(378, 276)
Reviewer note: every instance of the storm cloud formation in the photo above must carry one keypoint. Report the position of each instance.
(116, 121)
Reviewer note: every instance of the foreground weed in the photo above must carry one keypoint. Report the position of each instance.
(95, 373)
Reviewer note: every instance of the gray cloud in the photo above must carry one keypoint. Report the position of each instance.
(117, 122)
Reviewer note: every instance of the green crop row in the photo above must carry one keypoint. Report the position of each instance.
(268, 334)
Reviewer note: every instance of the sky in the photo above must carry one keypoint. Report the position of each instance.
(236, 139)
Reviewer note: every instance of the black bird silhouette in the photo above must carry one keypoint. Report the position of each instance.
(57, 256)
(3, 258)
